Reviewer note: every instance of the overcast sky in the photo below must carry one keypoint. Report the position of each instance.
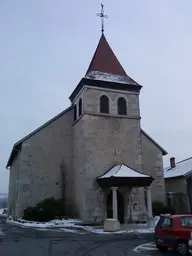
(46, 47)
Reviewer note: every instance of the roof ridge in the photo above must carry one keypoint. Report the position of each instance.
(184, 160)
(118, 168)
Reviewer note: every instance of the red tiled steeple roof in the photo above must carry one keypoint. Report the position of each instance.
(104, 60)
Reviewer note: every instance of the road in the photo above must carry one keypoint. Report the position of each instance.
(19, 241)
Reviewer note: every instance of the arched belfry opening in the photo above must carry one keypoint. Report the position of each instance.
(122, 106)
(104, 104)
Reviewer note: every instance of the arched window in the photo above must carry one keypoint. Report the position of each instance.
(122, 106)
(80, 107)
(75, 112)
(104, 104)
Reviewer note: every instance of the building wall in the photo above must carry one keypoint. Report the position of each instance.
(41, 159)
(101, 141)
(180, 202)
(13, 185)
(153, 165)
(178, 185)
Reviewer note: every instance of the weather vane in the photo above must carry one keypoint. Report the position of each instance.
(102, 16)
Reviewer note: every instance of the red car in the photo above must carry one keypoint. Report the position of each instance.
(174, 231)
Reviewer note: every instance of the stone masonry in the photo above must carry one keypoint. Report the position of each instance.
(39, 166)
(64, 157)
(101, 141)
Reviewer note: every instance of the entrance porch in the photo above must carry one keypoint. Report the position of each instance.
(127, 195)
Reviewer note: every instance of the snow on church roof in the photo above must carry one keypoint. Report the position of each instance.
(182, 168)
(123, 171)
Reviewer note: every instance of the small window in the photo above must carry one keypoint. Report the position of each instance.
(104, 104)
(80, 107)
(167, 223)
(186, 221)
(75, 112)
(122, 106)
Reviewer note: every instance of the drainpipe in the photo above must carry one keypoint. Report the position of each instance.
(189, 194)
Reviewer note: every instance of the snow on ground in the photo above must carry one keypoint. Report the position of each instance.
(2, 212)
(66, 223)
(74, 225)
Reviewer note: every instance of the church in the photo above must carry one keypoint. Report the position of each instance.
(94, 155)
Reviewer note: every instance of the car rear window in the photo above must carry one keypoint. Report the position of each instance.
(186, 221)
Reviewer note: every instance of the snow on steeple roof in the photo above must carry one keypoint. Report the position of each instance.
(105, 65)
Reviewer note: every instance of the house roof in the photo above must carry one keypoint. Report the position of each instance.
(181, 169)
(123, 171)
(105, 66)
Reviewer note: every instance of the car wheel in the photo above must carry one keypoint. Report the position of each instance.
(161, 248)
(182, 248)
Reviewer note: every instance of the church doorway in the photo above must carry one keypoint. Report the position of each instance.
(120, 206)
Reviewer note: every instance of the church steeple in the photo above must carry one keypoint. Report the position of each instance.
(105, 66)
(104, 60)
(105, 71)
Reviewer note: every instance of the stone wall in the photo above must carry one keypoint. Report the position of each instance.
(101, 141)
(153, 165)
(13, 186)
(42, 157)
(178, 185)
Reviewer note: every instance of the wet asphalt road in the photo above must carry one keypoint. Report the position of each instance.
(19, 241)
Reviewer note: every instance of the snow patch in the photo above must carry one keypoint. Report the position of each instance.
(66, 223)
(3, 212)
(122, 170)
(74, 226)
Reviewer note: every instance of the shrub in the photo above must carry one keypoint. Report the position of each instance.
(31, 213)
(169, 209)
(158, 208)
(46, 210)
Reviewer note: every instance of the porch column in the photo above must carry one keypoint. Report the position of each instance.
(114, 196)
(149, 207)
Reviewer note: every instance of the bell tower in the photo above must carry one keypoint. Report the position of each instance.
(106, 126)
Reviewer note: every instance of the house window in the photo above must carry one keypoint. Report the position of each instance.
(104, 104)
(80, 107)
(75, 112)
(122, 106)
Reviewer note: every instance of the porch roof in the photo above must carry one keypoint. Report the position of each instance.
(122, 175)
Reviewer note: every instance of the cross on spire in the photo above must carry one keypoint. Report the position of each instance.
(102, 16)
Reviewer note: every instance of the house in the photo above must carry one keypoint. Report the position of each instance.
(178, 184)
(94, 154)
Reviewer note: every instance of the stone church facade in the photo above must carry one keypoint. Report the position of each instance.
(101, 129)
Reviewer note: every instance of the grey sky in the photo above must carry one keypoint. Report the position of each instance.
(46, 47)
